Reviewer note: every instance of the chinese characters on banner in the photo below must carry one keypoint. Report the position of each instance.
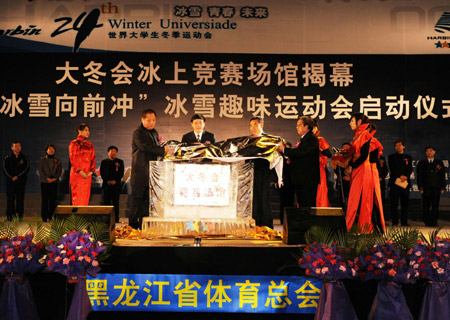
(223, 103)
(203, 293)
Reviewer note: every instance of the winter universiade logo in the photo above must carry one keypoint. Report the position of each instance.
(443, 24)
(82, 25)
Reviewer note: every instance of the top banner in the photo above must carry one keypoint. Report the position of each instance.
(227, 26)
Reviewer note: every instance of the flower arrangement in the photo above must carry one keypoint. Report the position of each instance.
(385, 262)
(327, 262)
(20, 255)
(432, 263)
(75, 254)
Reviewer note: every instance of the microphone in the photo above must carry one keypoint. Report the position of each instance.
(335, 150)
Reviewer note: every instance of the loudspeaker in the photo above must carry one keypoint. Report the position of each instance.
(298, 220)
(103, 214)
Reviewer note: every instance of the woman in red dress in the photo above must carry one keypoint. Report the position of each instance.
(82, 161)
(322, 189)
(361, 181)
(375, 152)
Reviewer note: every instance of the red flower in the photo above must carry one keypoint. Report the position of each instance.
(378, 272)
(72, 258)
(51, 242)
(49, 263)
(70, 252)
(51, 255)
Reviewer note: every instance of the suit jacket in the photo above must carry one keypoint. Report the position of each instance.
(305, 169)
(191, 138)
(49, 168)
(145, 148)
(430, 175)
(399, 165)
(112, 170)
(16, 166)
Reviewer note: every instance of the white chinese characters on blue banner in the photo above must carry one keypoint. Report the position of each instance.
(203, 293)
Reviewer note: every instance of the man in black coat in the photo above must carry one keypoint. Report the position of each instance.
(431, 183)
(145, 147)
(400, 166)
(15, 167)
(198, 135)
(112, 170)
(382, 172)
(261, 210)
(305, 172)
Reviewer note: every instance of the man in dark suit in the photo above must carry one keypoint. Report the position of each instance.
(431, 183)
(15, 166)
(400, 166)
(382, 172)
(262, 212)
(145, 147)
(287, 190)
(305, 172)
(111, 171)
(199, 135)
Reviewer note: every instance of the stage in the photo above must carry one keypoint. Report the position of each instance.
(226, 256)
(215, 256)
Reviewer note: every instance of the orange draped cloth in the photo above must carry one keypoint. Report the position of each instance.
(322, 189)
(361, 184)
(375, 144)
(82, 157)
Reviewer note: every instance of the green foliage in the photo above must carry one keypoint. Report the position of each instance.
(99, 231)
(319, 234)
(404, 238)
(431, 237)
(17, 227)
(360, 239)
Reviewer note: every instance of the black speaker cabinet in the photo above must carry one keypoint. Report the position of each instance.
(298, 220)
(104, 214)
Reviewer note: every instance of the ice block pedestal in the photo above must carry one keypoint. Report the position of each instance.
(200, 199)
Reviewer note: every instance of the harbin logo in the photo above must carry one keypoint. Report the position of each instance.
(443, 24)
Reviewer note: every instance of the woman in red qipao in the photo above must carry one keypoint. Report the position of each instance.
(322, 189)
(82, 161)
(375, 152)
(361, 181)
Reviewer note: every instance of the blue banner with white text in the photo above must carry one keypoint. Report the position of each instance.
(203, 293)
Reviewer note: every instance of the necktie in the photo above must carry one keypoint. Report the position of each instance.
(198, 138)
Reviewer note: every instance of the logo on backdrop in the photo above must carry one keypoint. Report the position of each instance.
(83, 26)
(442, 26)
(19, 31)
